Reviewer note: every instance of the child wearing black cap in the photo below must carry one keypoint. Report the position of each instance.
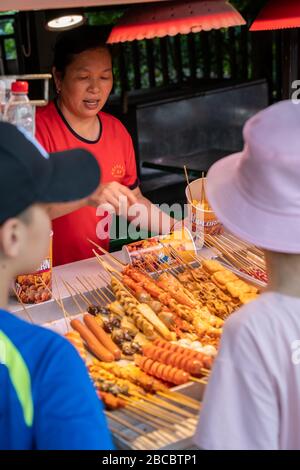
(47, 400)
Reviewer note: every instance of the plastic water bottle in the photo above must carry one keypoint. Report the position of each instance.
(18, 110)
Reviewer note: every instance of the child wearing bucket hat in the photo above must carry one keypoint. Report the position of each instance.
(253, 397)
(47, 400)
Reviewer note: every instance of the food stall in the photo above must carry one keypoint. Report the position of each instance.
(156, 328)
(148, 329)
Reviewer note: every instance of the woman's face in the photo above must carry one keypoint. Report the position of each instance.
(87, 82)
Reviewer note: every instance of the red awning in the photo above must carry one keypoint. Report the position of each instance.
(278, 14)
(28, 5)
(175, 17)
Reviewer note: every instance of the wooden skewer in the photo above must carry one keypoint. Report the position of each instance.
(82, 296)
(121, 434)
(156, 411)
(94, 288)
(66, 315)
(73, 297)
(181, 398)
(126, 423)
(100, 292)
(199, 381)
(107, 267)
(169, 406)
(87, 289)
(188, 183)
(115, 260)
(178, 400)
(164, 407)
(23, 306)
(203, 195)
(140, 409)
(148, 417)
(58, 302)
(104, 279)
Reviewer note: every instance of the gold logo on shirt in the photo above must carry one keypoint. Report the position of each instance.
(118, 171)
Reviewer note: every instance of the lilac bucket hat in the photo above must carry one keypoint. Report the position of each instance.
(256, 192)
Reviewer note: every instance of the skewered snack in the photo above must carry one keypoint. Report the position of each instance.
(114, 320)
(238, 288)
(151, 316)
(92, 309)
(97, 309)
(199, 317)
(120, 335)
(221, 278)
(131, 348)
(212, 266)
(177, 359)
(175, 348)
(135, 375)
(111, 387)
(117, 309)
(217, 301)
(178, 292)
(100, 374)
(174, 323)
(92, 342)
(162, 371)
(130, 304)
(75, 338)
(100, 334)
(111, 402)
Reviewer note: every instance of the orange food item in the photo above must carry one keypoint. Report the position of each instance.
(101, 335)
(92, 342)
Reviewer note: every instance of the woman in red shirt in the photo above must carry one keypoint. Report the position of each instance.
(83, 77)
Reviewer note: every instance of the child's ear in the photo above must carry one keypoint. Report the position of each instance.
(11, 237)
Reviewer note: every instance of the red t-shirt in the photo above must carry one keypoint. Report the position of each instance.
(115, 154)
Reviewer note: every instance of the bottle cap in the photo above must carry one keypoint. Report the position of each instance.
(19, 87)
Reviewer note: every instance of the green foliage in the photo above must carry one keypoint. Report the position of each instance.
(10, 49)
(103, 18)
(7, 28)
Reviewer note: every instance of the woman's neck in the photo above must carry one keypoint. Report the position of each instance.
(283, 273)
(88, 127)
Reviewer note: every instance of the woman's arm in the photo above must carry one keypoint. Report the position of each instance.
(63, 208)
(154, 220)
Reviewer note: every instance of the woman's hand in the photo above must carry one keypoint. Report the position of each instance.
(114, 194)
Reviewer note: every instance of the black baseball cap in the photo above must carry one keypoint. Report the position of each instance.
(29, 175)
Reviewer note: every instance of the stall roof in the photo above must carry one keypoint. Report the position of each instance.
(7, 5)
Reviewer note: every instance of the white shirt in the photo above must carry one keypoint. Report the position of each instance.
(252, 400)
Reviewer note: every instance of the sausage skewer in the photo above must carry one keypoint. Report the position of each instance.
(92, 342)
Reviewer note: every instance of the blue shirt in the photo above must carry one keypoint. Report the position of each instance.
(47, 400)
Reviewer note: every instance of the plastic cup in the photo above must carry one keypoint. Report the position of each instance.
(31, 288)
(151, 253)
(202, 220)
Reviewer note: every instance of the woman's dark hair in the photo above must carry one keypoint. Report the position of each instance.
(70, 43)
